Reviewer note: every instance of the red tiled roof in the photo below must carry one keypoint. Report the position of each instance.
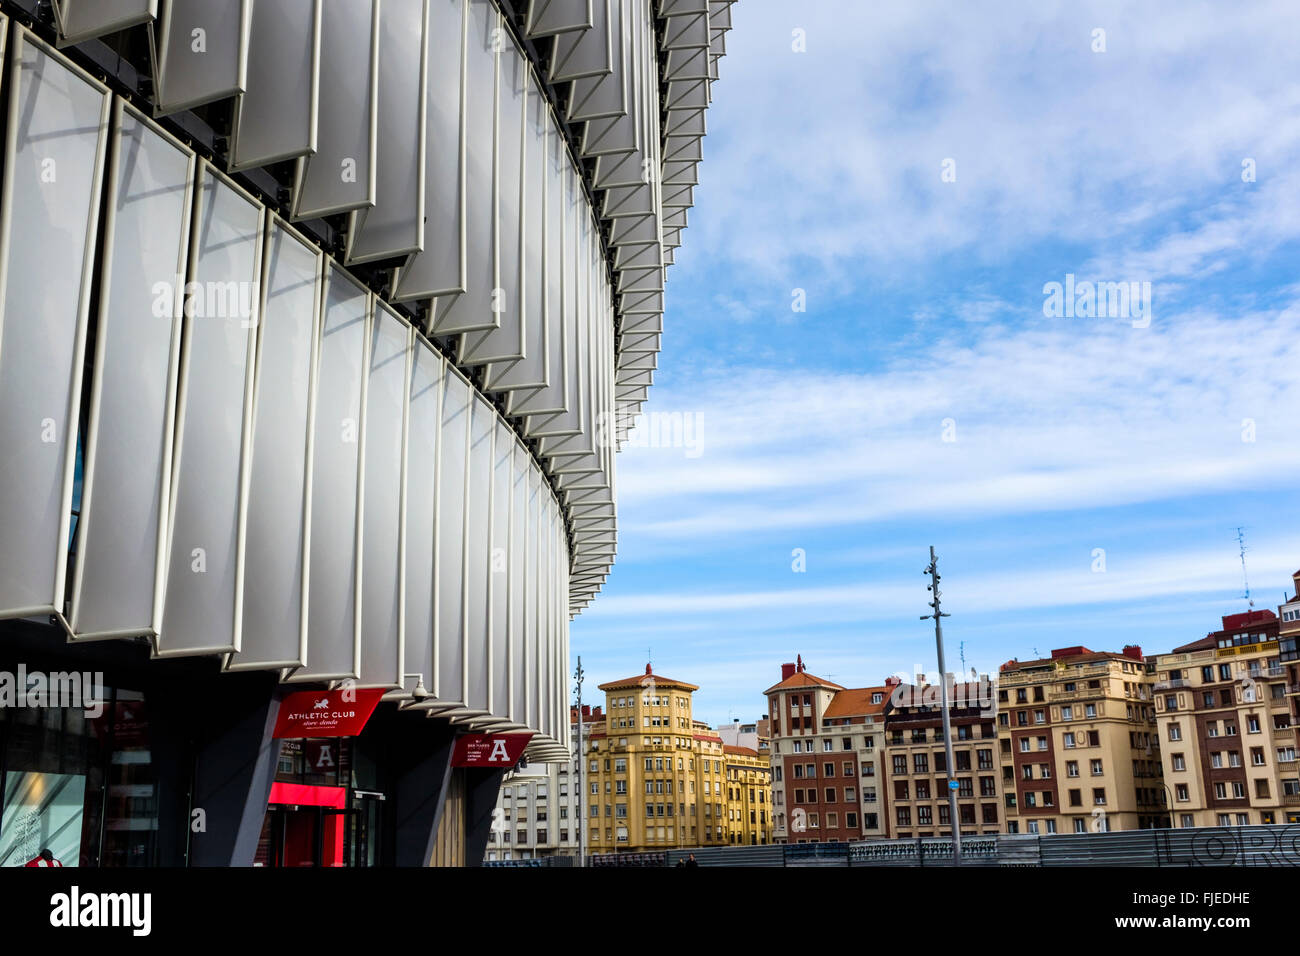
(647, 680)
(802, 679)
(856, 702)
(743, 751)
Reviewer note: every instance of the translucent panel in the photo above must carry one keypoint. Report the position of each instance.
(584, 52)
(561, 318)
(478, 566)
(558, 16)
(395, 224)
(605, 94)
(535, 552)
(54, 154)
(340, 175)
(123, 524)
(474, 308)
(381, 565)
(552, 676)
(201, 52)
(276, 118)
(504, 462)
(439, 268)
(274, 630)
(506, 341)
(453, 474)
(83, 19)
(517, 568)
(530, 372)
(421, 525)
(205, 567)
(332, 624)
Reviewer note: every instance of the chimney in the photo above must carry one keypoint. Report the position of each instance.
(1133, 651)
(787, 671)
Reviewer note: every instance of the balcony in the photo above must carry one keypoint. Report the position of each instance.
(1174, 684)
(1291, 799)
(1094, 693)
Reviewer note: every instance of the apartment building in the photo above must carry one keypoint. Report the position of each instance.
(756, 736)
(1227, 727)
(749, 796)
(1078, 746)
(826, 754)
(916, 761)
(658, 778)
(539, 807)
(1288, 645)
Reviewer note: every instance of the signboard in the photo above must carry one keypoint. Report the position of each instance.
(489, 750)
(318, 713)
(953, 785)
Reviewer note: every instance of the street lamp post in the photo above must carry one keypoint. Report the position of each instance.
(933, 587)
(582, 786)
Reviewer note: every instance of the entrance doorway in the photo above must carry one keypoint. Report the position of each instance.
(303, 836)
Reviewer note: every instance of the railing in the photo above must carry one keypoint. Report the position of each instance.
(1170, 684)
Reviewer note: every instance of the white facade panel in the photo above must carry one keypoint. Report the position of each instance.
(386, 398)
(334, 565)
(116, 585)
(275, 623)
(201, 610)
(55, 145)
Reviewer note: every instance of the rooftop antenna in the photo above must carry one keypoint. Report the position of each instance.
(961, 649)
(1241, 543)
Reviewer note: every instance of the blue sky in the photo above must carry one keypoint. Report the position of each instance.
(824, 430)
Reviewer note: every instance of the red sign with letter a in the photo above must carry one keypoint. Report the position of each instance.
(489, 750)
(318, 713)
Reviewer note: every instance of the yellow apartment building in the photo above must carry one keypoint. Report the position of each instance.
(658, 779)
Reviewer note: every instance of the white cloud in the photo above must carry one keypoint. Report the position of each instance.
(834, 155)
(1063, 414)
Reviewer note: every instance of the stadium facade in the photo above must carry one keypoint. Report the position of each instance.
(322, 322)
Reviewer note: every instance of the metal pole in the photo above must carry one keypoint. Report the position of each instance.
(933, 571)
(582, 786)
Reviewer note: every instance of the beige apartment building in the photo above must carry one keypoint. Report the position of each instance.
(1078, 746)
(1227, 725)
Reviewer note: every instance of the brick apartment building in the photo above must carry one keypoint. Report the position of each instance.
(916, 761)
(827, 745)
